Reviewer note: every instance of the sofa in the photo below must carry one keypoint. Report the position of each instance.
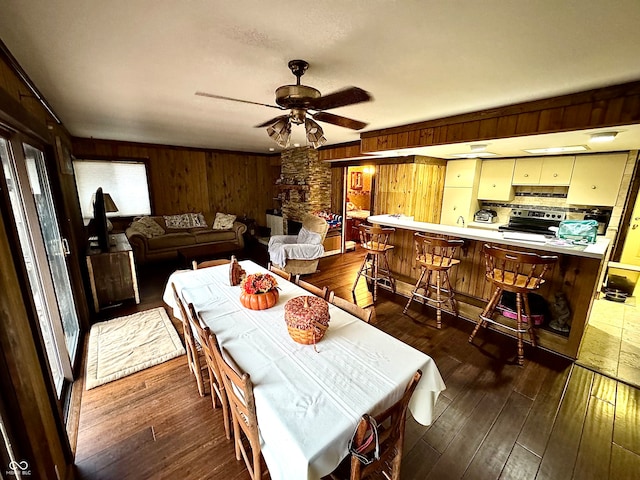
(156, 238)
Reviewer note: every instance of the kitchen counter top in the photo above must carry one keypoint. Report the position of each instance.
(595, 250)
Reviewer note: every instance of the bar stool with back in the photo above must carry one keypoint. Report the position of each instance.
(517, 272)
(435, 255)
(375, 266)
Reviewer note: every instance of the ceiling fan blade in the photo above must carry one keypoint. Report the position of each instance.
(272, 121)
(221, 97)
(341, 98)
(338, 120)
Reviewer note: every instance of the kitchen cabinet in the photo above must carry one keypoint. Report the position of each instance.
(460, 195)
(556, 171)
(463, 173)
(495, 180)
(456, 203)
(596, 179)
(527, 171)
(550, 171)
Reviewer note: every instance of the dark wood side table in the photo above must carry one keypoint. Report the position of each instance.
(112, 273)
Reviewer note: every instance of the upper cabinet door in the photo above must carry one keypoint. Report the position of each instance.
(556, 171)
(495, 180)
(596, 179)
(527, 171)
(462, 173)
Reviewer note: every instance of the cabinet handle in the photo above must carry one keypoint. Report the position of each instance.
(494, 185)
(526, 175)
(593, 187)
(459, 175)
(65, 247)
(555, 175)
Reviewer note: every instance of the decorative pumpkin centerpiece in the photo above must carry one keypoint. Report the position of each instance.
(307, 319)
(259, 291)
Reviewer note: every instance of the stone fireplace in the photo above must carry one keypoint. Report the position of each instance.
(306, 186)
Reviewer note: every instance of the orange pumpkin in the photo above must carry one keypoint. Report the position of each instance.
(259, 301)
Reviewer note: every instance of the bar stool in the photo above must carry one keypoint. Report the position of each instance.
(375, 266)
(519, 273)
(435, 255)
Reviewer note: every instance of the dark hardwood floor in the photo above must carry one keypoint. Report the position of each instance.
(549, 419)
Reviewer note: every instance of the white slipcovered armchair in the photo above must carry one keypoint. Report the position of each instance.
(299, 254)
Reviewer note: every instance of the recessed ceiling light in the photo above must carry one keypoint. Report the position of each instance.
(479, 147)
(296, 144)
(271, 149)
(603, 137)
(569, 149)
(474, 155)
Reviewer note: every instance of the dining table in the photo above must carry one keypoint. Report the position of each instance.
(308, 398)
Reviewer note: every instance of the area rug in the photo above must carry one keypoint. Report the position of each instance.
(126, 345)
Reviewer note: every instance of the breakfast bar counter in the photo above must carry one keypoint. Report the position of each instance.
(576, 274)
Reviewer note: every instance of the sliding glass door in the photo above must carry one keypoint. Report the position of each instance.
(44, 251)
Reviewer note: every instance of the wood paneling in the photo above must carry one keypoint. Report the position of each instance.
(193, 180)
(413, 189)
(603, 107)
(576, 276)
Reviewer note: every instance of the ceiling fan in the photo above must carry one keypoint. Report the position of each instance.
(304, 102)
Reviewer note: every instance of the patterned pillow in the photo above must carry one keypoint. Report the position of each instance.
(223, 221)
(185, 220)
(147, 226)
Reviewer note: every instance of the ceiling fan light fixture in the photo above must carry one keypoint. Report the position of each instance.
(280, 132)
(315, 134)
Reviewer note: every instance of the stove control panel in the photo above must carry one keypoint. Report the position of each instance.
(523, 213)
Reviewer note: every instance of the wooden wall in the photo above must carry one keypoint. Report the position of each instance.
(193, 180)
(413, 189)
(603, 107)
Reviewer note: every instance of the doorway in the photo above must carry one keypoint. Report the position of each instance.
(44, 254)
(359, 197)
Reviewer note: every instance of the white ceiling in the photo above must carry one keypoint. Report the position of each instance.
(128, 70)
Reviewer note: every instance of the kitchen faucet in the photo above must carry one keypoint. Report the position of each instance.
(460, 218)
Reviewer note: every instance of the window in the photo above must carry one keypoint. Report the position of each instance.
(125, 181)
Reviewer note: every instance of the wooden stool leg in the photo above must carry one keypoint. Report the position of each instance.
(363, 266)
(452, 297)
(527, 312)
(487, 312)
(392, 281)
(376, 261)
(438, 300)
(415, 289)
(519, 329)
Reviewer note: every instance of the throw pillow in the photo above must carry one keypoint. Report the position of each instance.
(223, 221)
(308, 238)
(185, 220)
(148, 227)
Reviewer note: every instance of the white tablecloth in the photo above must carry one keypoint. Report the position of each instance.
(308, 403)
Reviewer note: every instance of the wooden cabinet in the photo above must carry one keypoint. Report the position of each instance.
(462, 173)
(456, 203)
(495, 180)
(596, 179)
(112, 274)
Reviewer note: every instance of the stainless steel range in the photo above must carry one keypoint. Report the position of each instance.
(533, 221)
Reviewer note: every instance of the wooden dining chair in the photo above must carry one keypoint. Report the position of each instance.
(363, 313)
(194, 359)
(309, 287)
(239, 390)
(209, 343)
(279, 272)
(210, 263)
(382, 433)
